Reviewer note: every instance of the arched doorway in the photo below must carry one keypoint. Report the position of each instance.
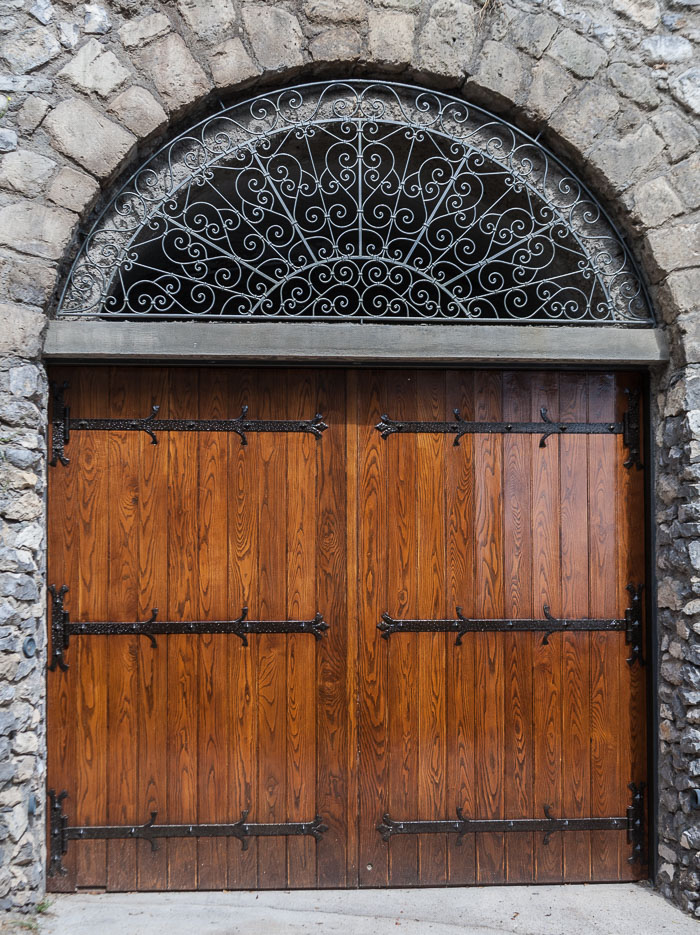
(326, 630)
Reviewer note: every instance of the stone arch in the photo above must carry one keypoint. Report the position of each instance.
(91, 93)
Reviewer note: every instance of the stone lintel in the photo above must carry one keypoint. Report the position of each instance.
(355, 343)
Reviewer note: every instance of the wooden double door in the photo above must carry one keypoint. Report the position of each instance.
(372, 721)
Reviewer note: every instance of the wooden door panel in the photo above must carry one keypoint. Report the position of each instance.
(201, 729)
(524, 722)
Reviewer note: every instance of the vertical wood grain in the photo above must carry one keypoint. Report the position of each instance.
(460, 591)
(517, 578)
(402, 595)
(576, 699)
(488, 647)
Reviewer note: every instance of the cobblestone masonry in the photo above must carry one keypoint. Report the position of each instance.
(85, 89)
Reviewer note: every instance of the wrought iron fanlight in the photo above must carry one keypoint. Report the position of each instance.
(356, 201)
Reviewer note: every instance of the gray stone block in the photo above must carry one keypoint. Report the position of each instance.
(645, 12)
(178, 77)
(84, 134)
(686, 89)
(447, 40)
(29, 49)
(138, 111)
(666, 49)
(36, 229)
(136, 33)
(93, 68)
(230, 64)
(208, 20)
(275, 36)
(623, 161)
(21, 330)
(499, 74)
(337, 44)
(25, 172)
(336, 11)
(579, 55)
(73, 190)
(391, 38)
(550, 86)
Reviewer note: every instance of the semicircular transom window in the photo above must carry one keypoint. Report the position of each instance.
(356, 201)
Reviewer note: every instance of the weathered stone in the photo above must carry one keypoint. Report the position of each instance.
(336, 11)
(97, 20)
(391, 38)
(447, 39)
(633, 83)
(584, 116)
(645, 12)
(666, 49)
(177, 76)
(621, 162)
(673, 248)
(679, 293)
(36, 229)
(8, 140)
(231, 65)
(550, 85)
(25, 83)
(210, 20)
(42, 10)
(408, 6)
(26, 280)
(686, 89)
(69, 35)
(679, 135)
(85, 135)
(21, 587)
(25, 171)
(21, 330)
(73, 190)
(686, 180)
(531, 33)
(275, 36)
(337, 44)
(498, 75)
(29, 49)
(32, 113)
(579, 55)
(655, 202)
(139, 111)
(139, 32)
(94, 69)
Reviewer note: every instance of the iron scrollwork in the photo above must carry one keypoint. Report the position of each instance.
(62, 628)
(356, 200)
(60, 832)
(633, 822)
(62, 425)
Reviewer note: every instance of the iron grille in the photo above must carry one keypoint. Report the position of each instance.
(356, 201)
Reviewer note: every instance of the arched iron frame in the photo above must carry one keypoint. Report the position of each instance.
(356, 201)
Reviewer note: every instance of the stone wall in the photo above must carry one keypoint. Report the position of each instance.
(87, 89)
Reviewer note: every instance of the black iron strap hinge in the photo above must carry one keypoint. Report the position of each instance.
(62, 628)
(60, 832)
(633, 823)
(62, 425)
(629, 428)
(631, 624)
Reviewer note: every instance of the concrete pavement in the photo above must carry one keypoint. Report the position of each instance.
(621, 909)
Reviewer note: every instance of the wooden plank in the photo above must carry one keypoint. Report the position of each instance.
(90, 656)
(605, 647)
(213, 734)
(576, 700)
(122, 604)
(183, 604)
(243, 588)
(62, 687)
(402, 601)
(372, 589)
(302, 692)
(631, 570)
(488, 647)
(153, 662)
(546, 657)
(271, 604)
(354, 633)
(337, 650)
(430, 522)
(517, 602)
(459, 588)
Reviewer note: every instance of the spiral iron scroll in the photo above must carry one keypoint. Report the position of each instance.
(356, 200)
